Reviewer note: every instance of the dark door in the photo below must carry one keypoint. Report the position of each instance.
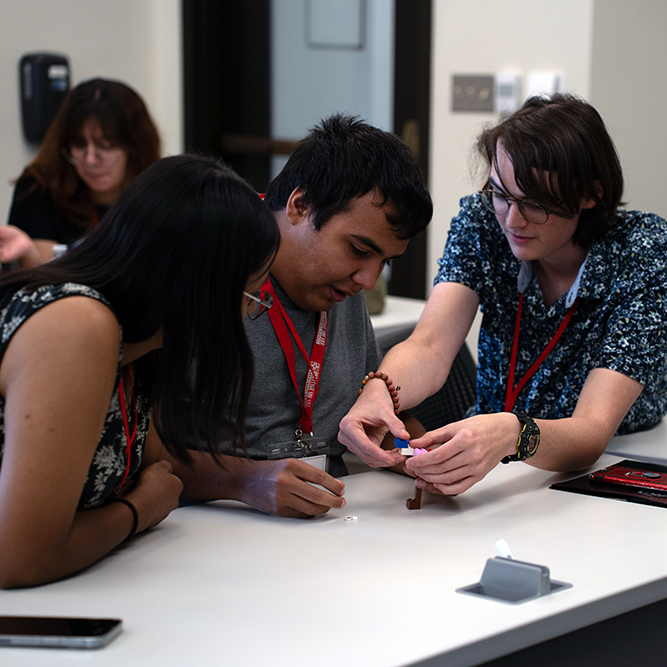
(226, 81)
(411, 122)
(228, 105)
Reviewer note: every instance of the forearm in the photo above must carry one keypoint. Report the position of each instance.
(420, 365)
(26, 560)
(208, 479)
(577, 442)
(288, 487)
(416, 369)
(570, 444)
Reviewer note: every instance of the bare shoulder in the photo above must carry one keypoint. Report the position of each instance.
(76, 330)
(77, 317)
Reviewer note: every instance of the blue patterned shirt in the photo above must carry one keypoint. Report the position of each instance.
(620, 321)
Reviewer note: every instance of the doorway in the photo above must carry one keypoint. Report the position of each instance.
(228, 101)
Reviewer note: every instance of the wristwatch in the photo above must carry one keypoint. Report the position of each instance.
(529, 439)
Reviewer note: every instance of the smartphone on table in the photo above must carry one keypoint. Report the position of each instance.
(56, 632)
(638, 479)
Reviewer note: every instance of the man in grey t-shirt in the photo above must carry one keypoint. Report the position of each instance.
(347, 202)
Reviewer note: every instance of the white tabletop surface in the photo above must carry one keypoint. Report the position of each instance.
(648, 445)
(399, 312)
(221, 584)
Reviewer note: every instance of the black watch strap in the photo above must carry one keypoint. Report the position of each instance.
(529, 439)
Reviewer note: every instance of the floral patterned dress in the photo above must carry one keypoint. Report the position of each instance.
(109, 461)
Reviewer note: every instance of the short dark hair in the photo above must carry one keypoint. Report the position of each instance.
(561, 153)
(344, 158)
(174, 254)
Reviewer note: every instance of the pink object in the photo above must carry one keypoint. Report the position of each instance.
(419, 451)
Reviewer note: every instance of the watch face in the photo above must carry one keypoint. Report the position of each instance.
(532, 444)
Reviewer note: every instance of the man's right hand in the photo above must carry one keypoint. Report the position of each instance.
(284, 487)
(367, 423)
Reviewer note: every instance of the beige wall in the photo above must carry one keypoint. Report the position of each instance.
(629, 88)
(136, 41)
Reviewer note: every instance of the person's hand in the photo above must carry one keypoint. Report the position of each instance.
(15, 244)
(468, 451)
(155, 494)
(367, 423)
(282, 487)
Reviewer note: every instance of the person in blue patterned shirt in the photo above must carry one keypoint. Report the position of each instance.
(573, 291)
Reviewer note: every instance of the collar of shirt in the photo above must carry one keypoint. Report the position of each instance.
(526, 276)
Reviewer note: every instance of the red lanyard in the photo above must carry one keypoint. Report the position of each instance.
(281, 322)
(512, 394)
(128, 439)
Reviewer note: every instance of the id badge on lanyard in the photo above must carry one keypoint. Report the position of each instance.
(312, 450)
(305, 444)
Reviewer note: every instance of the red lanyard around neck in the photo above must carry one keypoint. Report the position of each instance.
(283, 326)
(129, 439)
(512, 394)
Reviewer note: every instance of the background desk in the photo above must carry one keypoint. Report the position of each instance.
(221, 584)
(400, 313)
(648, 445)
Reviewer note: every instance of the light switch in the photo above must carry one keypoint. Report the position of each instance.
(472, 92)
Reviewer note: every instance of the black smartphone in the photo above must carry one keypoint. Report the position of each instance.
(58, 632)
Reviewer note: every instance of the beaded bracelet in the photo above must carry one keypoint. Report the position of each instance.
(135, 516)
(390, 386)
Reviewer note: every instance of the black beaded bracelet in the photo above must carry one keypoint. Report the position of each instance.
(135, 516)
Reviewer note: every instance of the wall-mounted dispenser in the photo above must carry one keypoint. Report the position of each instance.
(45, 81)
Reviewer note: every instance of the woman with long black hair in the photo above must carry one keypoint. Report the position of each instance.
(96, 352)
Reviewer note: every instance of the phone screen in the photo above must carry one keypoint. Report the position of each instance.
(64, 632)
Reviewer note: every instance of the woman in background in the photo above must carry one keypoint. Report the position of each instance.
(96, 352)
(101, 139)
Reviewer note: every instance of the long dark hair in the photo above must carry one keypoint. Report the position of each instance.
(124, 121)
(174, 254)
(562, 153)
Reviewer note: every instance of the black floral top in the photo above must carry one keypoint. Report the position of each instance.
(109, 461)
(620, 321)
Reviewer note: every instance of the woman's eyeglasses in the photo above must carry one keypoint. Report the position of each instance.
(500, 204)
(105, 155)
(260, 303)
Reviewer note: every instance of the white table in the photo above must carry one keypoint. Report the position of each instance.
(648, 445)
(399, 313)
(221, 584)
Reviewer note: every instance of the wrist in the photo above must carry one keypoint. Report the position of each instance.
(391, 389)
(528, 439)
(241, 479)
(133, 511)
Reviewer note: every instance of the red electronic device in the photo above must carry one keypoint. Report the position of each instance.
(641, 479)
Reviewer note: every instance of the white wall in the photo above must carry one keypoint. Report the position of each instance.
(136, 41)
(308, 84)
(629, 88)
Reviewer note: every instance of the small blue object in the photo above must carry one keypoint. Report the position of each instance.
(401, 444)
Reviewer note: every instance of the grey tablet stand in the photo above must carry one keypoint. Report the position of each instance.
(513, 581)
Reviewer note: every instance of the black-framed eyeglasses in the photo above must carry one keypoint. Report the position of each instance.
(105, 155)
(261, 303)
(499, 204)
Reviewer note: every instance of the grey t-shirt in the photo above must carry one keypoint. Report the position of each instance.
(274, 409)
